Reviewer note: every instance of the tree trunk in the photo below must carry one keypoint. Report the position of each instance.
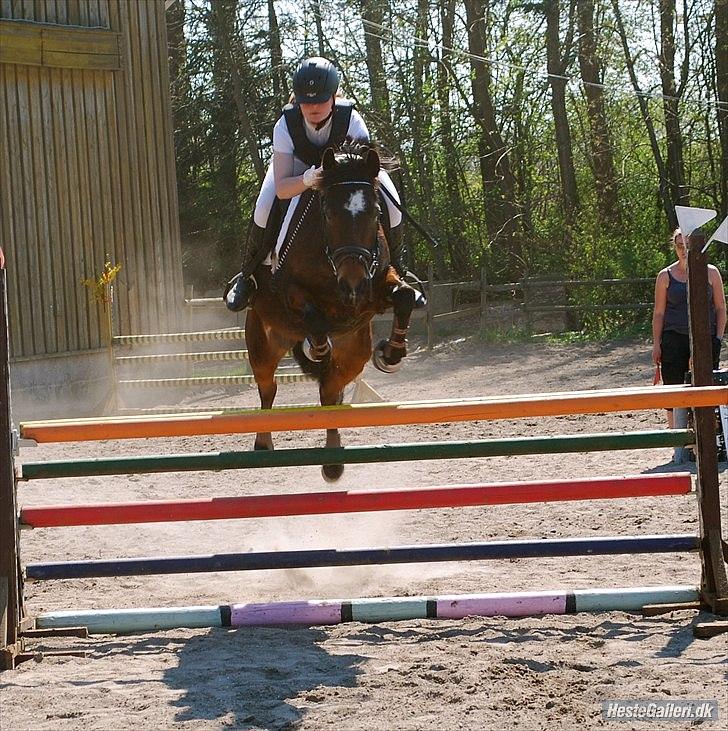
(421, 115)
(280, 87)
(453, 233)
(601, 147)
(235, 65)
(521, 143)
(675, 165)
(721, 63)
(319, 27)
(219, 19)
(557, 80)
(647, 119)
(372, 13)
(501, 211)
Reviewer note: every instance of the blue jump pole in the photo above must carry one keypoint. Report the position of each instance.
(364, 556)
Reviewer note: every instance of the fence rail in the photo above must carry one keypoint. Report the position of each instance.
(527, 299)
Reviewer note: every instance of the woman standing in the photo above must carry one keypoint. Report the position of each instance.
(670, 331)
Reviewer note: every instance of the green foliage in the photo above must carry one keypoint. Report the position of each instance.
(223, 53)
(505, 335)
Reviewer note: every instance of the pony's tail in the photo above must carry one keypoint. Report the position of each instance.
(307, 366)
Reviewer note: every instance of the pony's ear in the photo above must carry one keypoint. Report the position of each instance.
(328, 160)
(372, 164)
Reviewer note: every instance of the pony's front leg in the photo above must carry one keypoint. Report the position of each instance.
(387, 355)
(348, 360)
(264, 356)
(329, 397)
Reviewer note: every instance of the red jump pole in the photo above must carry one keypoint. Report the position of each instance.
(356, 501)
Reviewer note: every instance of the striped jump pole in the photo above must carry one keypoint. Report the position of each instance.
(191, 337)
(355, 501)
(545, 548)
(320, 612)
(192, 381)
(377, 414)
(208, 356)
(298, 457)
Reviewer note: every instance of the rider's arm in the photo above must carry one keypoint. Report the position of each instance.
(288, 185)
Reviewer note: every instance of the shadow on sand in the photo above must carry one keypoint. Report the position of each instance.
(246, 678)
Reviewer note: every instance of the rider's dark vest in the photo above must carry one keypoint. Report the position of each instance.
(306, 150)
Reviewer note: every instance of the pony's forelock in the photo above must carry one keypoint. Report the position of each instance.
(351, 158)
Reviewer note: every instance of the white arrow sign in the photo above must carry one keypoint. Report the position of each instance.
(690, 219)
(720, 234)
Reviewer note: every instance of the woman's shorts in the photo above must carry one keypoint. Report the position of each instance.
(676, 356)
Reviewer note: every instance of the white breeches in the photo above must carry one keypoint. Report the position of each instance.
(267, 196)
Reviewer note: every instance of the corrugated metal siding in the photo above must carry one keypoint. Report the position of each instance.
(86, 172)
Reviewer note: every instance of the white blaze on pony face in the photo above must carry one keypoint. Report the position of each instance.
(357, 203)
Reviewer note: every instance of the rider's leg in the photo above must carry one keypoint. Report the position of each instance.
(240, 288)
(393, 233)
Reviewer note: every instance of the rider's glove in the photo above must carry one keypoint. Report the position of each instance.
(311, 176)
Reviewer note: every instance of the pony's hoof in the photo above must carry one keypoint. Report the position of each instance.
(314, 354)
(380, 362)
(332, 472)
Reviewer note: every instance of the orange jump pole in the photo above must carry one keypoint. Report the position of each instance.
(386, 414)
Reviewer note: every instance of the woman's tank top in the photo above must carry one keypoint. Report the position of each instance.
(676, 310)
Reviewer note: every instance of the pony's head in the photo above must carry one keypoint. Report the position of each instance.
(350, 210)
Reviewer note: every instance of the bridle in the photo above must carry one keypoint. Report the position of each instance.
(368, 258)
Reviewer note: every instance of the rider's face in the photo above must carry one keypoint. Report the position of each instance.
(315, 113)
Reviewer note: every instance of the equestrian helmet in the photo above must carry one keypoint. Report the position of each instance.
(316, 80)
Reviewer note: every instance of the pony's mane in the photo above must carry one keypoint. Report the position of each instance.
(351, 161)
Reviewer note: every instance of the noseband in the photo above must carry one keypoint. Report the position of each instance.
(368, 258)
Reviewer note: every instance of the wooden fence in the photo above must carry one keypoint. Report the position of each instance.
(532, 304)
(535, 304)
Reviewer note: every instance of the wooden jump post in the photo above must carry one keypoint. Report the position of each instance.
(714, 582)
(12, 615)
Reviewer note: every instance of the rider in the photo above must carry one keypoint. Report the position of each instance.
(316, 120)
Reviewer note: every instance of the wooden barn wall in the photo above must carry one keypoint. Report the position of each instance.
(87, 174)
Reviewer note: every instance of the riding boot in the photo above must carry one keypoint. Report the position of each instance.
(397, 257)
(240, 288)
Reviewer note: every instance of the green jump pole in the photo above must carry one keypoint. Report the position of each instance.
(358, 455)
